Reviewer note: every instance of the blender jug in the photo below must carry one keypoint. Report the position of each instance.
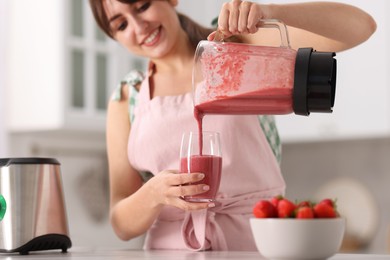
(237, 78)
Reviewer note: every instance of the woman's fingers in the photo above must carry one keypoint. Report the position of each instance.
(243, 17)
(234, 14)
(223, 20)
(170, 187)
(239, 17)
(187, 190)
(254, 16)
(211, 36)
(183, 178)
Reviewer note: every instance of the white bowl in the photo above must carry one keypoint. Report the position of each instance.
(301, 239)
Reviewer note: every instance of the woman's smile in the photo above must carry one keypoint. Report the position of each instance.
(153, 38)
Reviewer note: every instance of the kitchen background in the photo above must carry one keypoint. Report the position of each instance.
(57, 72)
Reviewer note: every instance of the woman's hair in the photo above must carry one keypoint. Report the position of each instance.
(195, 31)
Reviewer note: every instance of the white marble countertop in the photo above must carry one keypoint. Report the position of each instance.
(117, 254)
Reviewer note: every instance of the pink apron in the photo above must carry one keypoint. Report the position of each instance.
(250, 172)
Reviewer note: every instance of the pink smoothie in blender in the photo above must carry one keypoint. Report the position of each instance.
(246, 79)
(243, 79)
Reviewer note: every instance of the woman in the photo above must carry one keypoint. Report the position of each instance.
(164, 110)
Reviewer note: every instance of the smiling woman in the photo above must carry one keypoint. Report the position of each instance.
(150, 111)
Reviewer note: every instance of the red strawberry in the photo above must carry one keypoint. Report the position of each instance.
(324, 210)
(275, 200)
(264, 209)
(304, 212)
(286, 208)
(304, 203)
(329, 202)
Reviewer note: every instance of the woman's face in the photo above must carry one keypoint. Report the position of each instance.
(147, 28)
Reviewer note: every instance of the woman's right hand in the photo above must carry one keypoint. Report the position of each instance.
(238, 17)
(169, 187)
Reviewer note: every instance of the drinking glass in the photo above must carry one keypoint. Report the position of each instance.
(202, 153)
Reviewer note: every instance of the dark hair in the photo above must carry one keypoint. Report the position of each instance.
(195, 31)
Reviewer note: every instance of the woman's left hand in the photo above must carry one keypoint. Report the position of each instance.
(238, 17)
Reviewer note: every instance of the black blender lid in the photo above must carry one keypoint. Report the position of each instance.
(314, 82)
(28, 160)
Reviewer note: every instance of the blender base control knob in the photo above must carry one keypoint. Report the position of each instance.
(3, 207)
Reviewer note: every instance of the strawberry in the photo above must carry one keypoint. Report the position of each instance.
(329, 202)
(264, 209)
(275, 200)
(304, 203)
(324, 210)
(304, 212)
(286, 208)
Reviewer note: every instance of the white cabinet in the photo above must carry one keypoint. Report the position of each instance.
(362, 107)
(61, 70)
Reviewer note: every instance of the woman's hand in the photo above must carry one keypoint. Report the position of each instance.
(169, 188)
(238, 17)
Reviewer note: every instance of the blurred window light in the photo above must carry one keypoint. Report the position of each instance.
(77, 18)
(77, 78)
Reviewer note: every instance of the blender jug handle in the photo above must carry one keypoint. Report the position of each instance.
(275, 23)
